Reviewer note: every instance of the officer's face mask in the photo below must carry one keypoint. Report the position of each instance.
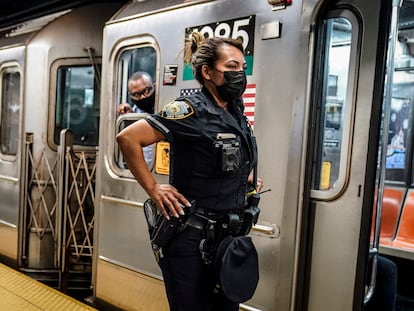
(234, 85)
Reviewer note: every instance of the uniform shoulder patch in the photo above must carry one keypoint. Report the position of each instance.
(177, 110)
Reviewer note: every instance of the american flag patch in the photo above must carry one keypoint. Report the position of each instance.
(249, 100)
(187, 92)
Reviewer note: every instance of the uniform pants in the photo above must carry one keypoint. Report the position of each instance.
(188, 281)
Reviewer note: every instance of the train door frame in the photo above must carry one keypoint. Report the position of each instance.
(365, 190)
(116, 198)
(120, 80)
(11, 166)
(54, 68)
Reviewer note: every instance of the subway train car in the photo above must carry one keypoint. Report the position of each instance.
(329, 95)
(50, 71)
(317, 81)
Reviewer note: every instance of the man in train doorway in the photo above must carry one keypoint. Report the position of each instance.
(141, 93)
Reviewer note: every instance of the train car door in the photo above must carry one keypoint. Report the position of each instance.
(346, 101)
(11, 74)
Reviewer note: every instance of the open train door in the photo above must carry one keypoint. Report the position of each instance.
(346, 96)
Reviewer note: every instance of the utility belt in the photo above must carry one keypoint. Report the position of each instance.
(232, 222)
(231, 254)
(216, 225)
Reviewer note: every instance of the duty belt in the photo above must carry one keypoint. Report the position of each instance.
(196, 221)
(200, 217)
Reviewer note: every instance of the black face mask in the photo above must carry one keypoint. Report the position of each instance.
(146, 104)
(234, 85)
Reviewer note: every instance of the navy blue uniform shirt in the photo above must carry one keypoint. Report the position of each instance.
(191, 125)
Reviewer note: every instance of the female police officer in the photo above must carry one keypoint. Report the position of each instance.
(212, 155)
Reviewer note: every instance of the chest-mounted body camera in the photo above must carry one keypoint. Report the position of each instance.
(227, 146)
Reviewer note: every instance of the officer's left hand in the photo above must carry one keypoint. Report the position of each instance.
(260, 184)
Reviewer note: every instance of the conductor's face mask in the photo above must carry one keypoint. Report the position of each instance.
(234, 85)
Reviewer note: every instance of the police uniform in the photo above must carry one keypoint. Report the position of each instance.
(212, 154)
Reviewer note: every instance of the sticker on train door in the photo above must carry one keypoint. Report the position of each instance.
(325, 175)
(242, 28)
(162, 158)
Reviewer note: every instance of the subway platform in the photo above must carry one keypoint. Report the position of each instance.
(20, 292)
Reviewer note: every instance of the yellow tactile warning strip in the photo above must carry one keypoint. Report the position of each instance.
(20, 292)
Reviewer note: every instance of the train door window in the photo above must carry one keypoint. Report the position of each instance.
(399, 143)
(133, 60)
(77, 104)
(10, 111)
(336, 55)
(397, 162)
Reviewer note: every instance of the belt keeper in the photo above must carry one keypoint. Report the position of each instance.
(206, 245)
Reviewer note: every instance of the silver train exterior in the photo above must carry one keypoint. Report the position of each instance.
(286, 74)
(71, 207)
(48, 68)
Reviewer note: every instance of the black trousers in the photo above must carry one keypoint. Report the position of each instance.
(189, 283)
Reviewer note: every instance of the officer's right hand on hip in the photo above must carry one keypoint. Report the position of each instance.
(169, 200)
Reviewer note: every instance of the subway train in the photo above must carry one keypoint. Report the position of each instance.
(330, 93)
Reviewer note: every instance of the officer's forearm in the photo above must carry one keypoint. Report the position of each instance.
(136, 163)
(134, 157)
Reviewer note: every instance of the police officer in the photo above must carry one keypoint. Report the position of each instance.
(212, 156)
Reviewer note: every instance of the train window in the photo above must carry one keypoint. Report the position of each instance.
(398, 136)
(142, 59)
(399, 140)
(334, 101)
(139, 59)
(10, 111)
(77, 104)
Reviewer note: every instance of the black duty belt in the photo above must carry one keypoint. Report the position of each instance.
(196, 222)
(201, 216)
(217, 215)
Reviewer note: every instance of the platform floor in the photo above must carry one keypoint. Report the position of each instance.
(20, 292)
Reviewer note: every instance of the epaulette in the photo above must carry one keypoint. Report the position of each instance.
(177, 110)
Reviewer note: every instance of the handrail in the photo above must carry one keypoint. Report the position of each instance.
(66, 140)
(396, 4)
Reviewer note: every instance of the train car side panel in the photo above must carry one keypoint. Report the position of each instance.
(123, 238)
(12, 73)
